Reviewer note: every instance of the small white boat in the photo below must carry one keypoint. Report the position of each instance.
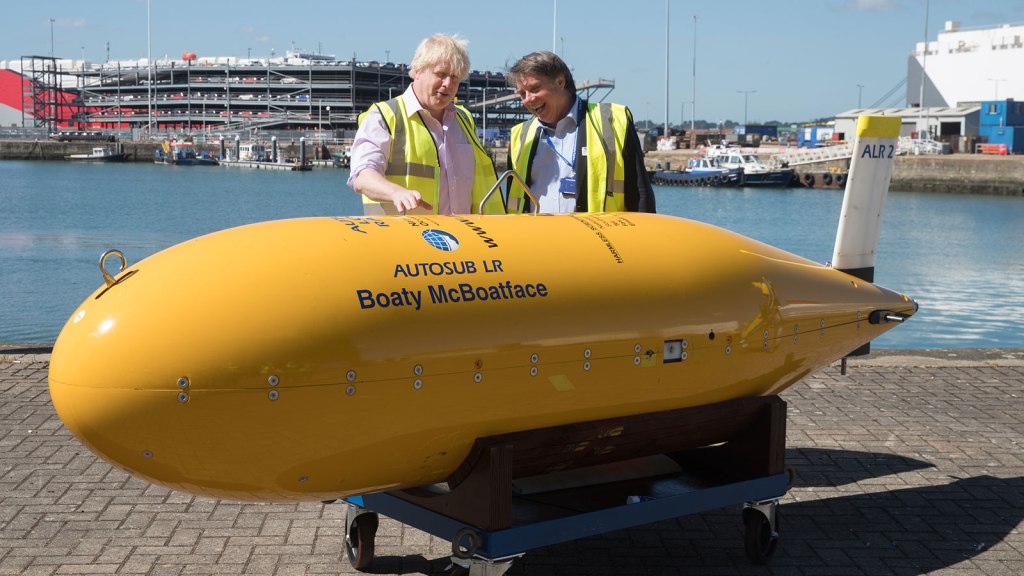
(702, 171)
(99, 154)
(755, 171)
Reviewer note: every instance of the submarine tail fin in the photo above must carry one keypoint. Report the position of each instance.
(867, 186)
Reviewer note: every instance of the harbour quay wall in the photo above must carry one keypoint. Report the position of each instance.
(950, 173)
(960, 173)
(139, 150)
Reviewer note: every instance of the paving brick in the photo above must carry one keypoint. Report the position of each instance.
(900, 469)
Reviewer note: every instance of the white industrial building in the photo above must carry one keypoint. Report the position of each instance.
(964, 120)
(967, 66)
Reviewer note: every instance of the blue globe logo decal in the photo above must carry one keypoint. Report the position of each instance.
(441, 240)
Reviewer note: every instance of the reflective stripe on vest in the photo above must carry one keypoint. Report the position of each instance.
(398, 140)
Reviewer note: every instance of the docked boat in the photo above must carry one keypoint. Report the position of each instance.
(257, 156)
(699, 172)
(182, 153)
(342, 159)
(755, 172)
(100, 154)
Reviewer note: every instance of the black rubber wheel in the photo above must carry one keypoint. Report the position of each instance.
(759, 540)
(362, 532)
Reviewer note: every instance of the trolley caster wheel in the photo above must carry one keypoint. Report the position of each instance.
(760, 538)
(359, 537)
(466, 543)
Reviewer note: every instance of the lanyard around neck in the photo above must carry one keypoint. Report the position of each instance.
(547, 138)
(570, 163)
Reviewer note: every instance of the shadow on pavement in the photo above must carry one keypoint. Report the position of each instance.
(823, 467)
(906, 531)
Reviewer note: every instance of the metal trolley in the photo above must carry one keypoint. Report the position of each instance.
(524, 490)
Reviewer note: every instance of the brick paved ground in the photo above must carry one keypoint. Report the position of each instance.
(906, 466)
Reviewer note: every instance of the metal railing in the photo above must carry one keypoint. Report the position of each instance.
(814, 155)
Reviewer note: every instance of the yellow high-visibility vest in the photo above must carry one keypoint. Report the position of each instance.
(413, 162)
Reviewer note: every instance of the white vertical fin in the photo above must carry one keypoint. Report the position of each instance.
(874, 152)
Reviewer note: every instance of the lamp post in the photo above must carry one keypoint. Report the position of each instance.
(554, 25)
(745, 93)
(149, 67)
(665, 134)
(924, 59)
(997, 81)
(53, 90)
(860, 90)
(693, 94)
(485, 117)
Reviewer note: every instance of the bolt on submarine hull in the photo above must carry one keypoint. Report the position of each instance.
(318, 358)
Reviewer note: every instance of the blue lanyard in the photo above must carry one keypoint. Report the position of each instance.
(572, 163)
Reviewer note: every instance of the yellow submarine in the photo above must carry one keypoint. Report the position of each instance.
(319, 358)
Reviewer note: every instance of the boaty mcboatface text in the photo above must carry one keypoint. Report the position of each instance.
(447, 293)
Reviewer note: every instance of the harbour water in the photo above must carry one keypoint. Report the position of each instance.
(959, 256)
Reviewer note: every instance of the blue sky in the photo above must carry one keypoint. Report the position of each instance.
(804, 58)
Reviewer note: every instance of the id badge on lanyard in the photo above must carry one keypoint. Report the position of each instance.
(566, 185)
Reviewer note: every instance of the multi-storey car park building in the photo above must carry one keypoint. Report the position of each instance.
(299, 91)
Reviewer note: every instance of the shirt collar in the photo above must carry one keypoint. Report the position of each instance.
(568, 122)
(574, 112)
(412, 104)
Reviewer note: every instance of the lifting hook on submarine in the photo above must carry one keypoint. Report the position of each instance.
(103, 265)
(519, 180)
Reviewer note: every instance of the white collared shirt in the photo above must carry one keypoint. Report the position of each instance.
(550, 168)
(372, 144)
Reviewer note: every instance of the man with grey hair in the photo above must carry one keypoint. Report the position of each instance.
(418, 153)
(575, 156)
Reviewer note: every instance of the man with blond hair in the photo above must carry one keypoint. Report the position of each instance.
(418, 153)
